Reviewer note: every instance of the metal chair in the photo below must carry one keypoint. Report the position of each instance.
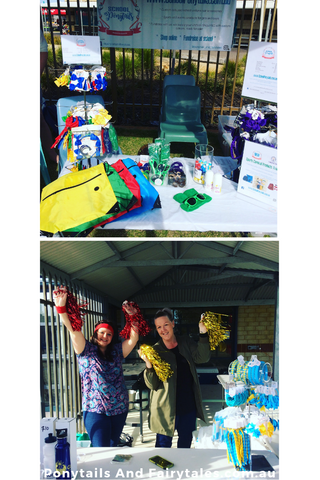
(180, 120)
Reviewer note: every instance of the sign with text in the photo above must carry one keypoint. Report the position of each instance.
(261, 78)
(79, 49)
(258, 174)
(167, 24)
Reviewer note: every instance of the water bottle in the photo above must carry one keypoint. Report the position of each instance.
(49, 455)
(63, 463)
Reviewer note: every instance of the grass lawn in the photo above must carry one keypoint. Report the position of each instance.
(134, 141)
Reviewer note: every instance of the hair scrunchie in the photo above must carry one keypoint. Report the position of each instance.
(73, 310)
(137, 320)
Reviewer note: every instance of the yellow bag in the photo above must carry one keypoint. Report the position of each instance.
(77, 200)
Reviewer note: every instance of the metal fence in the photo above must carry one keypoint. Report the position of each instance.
(136, 75)
(59, 373)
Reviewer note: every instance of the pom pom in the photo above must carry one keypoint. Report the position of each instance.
(216, 330)
(162, 368)
(73, 311)
(136, 320)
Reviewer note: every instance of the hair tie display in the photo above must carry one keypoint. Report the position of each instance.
(162, 368)
(73, 310)
(216, 330)
(250, 373)
(104, 325)
(137, 320)
(237, 399)
(238, 448)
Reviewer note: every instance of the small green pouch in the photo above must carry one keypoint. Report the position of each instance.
(191, 200)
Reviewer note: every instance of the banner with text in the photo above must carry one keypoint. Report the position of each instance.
(167, 24)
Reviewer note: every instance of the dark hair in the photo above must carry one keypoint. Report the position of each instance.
(107, 355)
(164, 312)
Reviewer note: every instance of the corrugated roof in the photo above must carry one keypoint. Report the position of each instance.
(167, 272)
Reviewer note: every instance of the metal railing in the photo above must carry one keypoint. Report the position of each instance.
(135, 89)
(59, 373)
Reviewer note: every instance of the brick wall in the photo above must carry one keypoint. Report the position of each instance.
(255, 327)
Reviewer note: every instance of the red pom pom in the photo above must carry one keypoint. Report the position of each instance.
(137, 319)
(73, 311)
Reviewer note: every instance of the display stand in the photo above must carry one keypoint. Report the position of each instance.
(238, 381)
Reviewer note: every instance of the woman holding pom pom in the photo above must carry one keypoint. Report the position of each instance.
(104, 394)
(175, 401)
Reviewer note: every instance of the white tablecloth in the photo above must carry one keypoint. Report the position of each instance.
(188, 463)
(228, 212)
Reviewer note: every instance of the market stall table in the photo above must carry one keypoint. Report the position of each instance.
(228, 212)
(188, 463)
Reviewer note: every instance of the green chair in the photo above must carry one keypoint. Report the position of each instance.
(180, 120)
(176, 80)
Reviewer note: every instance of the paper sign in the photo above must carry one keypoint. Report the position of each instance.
(258, 174)
(79, 49)
(261, 77)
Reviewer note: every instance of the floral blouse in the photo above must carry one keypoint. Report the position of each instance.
(102, 382)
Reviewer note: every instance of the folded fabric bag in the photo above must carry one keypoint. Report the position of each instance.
(191, 200)
(150, 198)
(78, 201)
(133, 187)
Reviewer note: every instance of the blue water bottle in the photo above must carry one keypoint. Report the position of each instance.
(63, 464)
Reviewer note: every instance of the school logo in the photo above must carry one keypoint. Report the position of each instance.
(256, 155)
(119, 21)
(268, 53)
(81, 42)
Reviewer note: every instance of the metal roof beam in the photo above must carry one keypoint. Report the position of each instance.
(256, 287)
(248, 257)
(187, 261)
(107, 261)
(213, 303)
(120, 257)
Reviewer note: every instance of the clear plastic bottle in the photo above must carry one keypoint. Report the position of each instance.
(49, 455)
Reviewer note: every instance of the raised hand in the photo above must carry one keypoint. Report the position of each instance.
(60, 296)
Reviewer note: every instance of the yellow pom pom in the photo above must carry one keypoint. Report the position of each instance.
(162, 368)
(216, 330)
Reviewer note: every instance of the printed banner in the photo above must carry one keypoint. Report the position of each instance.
(260, 79)
(167, 24)
(258, 174)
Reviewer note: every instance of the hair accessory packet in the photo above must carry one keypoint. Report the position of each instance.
(159, 153)
(191, 200)
(177, 175)
(77, 78)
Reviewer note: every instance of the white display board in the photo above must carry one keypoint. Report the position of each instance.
(261, 78)
(80, 49)
(258, 174)
(167, 24)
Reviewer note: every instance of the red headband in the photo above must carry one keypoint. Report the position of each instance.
(104, 325)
